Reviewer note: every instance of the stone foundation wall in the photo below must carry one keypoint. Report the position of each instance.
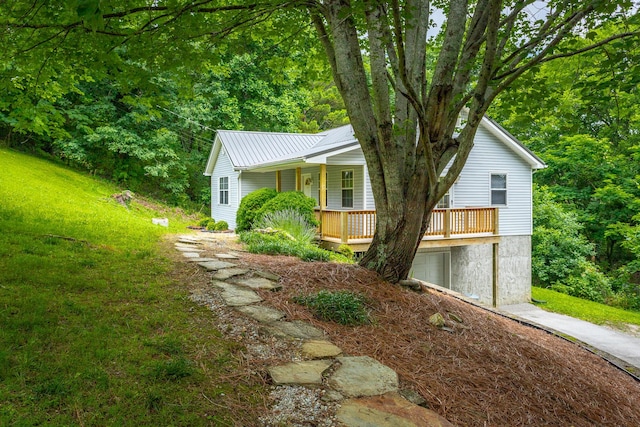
(472, 270)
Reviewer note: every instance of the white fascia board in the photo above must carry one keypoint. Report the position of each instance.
(322, 158)
(213, 157)
(275, 166)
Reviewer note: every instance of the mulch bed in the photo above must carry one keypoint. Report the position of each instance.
(490, 371)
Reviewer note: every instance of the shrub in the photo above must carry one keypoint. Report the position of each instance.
(280, 242)
(591, 284)
(250, 205)
(290, 221)
(221, 226)
(343, 307)
(211, 225)
(205, 221)
(346, 250)
(292, 200)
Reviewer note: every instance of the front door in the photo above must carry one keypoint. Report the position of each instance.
(306, 184)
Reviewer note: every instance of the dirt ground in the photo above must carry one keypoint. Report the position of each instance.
(486, 371)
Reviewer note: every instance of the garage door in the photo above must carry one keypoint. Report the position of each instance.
(431, 267)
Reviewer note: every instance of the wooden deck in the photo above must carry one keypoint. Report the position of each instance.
(449, 227)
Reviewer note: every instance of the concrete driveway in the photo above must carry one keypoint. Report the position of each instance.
(623, 346)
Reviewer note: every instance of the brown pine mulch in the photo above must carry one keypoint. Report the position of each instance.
(490, 371)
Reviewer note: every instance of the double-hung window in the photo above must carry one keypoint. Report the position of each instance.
(223, 190)
(347, 189)
(445, 202)
(498, 189)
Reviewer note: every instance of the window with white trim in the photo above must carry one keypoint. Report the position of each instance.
(347, 188)
(445, 202)
(223, 190)
(498, 189)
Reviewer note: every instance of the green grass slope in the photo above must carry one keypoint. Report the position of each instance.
(92, 330)
(583, 309)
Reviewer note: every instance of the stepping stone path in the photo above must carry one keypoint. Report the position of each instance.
(366, 389)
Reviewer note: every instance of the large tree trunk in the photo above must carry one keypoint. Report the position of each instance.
(406, 119)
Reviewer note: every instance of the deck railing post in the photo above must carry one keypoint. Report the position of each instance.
(447, 222)
(496, 221)
(344, 227)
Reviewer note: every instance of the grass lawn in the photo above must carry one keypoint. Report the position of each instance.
(584, 309)
(94, 329)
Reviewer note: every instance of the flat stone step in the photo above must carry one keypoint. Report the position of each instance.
(261, 313)
(302, 373)
(294, 329)
(320, 349)
(191, 254)
(234, 295)
(188, 248)
(363, 376)
(188, 241)
(258, 283)
(215, 265)
(388, 410)
(226, 256)
(267, 275)
(199, 260)
(227, 273)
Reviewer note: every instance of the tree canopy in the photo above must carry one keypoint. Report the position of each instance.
(403, 104)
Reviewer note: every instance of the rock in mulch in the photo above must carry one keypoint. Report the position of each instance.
(389, 410)
(215, 265)
(363, 376)
(259, 283)
(234, 295)
(412, 284)
(320, 349)
(437, 320)
(307, 372)
(294, 329)
(227, 273)
(261, 313)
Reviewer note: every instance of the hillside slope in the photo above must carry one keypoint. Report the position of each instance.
(93, 327)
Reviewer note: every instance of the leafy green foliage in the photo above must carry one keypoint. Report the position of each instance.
(221, 226)
(291, 200)
(558, 247)
(250, 204)
(346, 250)
(343, 307)
(282, 243)
(290, 221)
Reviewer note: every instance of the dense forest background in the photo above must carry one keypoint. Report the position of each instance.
(147, 122)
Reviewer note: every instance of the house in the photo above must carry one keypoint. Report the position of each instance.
(479, 241)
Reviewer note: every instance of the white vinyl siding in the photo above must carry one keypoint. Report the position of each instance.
(252, 181)
(473, 188)
(224, 212)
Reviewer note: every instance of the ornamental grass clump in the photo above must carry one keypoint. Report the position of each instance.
(343, 307)
(290, 221)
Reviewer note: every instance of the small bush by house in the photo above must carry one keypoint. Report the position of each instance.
(249, 207)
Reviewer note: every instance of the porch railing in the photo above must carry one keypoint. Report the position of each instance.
(360, 225)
